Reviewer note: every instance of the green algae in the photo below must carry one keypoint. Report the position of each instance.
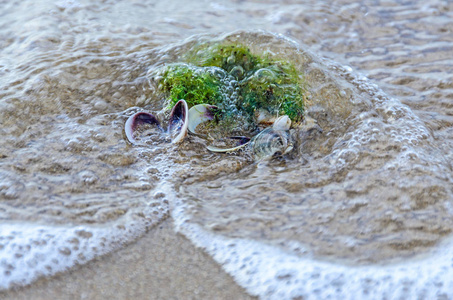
(260, 82)
(194, 85)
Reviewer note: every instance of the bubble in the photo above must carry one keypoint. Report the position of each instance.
(65, 251)
(159, 195)
(236, 72)
(265, 75)
(84, 234)
(10, 188)
(88, 177)
(231, 60)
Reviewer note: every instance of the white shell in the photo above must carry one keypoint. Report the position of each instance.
(181, 121)
(198, 114)
(223, 150)
(264, 117)
(128, 129)
(282, 123)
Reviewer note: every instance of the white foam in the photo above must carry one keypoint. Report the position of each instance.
(29, 251)
(270, 273)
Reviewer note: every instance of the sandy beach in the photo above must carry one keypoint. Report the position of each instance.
(161, 265)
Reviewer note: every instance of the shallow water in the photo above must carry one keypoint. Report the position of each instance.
(368, 199)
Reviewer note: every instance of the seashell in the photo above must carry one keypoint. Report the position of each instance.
(177, 124)
(136, 120)
(270, 143)
(282, 123)
(243, 141)
(263, 117)
(179, 121)
(200, 113)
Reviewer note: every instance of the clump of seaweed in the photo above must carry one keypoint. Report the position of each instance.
(237, 81)
(195, 85)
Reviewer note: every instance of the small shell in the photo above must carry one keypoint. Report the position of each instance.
(179, 121)
(263, 117)
(282, 123)
(200, 113)
(270, 143)
(243, 141)
(136, 120)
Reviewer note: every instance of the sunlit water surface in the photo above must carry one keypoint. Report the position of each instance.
(363, 207)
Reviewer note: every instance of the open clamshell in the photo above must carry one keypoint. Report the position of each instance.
(177, 124)
(199, 114)
(137, 120)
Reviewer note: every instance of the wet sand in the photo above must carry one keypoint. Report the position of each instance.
(161, 265)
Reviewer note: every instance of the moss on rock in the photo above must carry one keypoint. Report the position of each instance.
(212, 71)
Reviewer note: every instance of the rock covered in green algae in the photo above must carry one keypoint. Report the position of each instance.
(236, 80)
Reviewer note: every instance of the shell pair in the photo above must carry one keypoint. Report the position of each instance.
(177, 124)
(181, 120)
